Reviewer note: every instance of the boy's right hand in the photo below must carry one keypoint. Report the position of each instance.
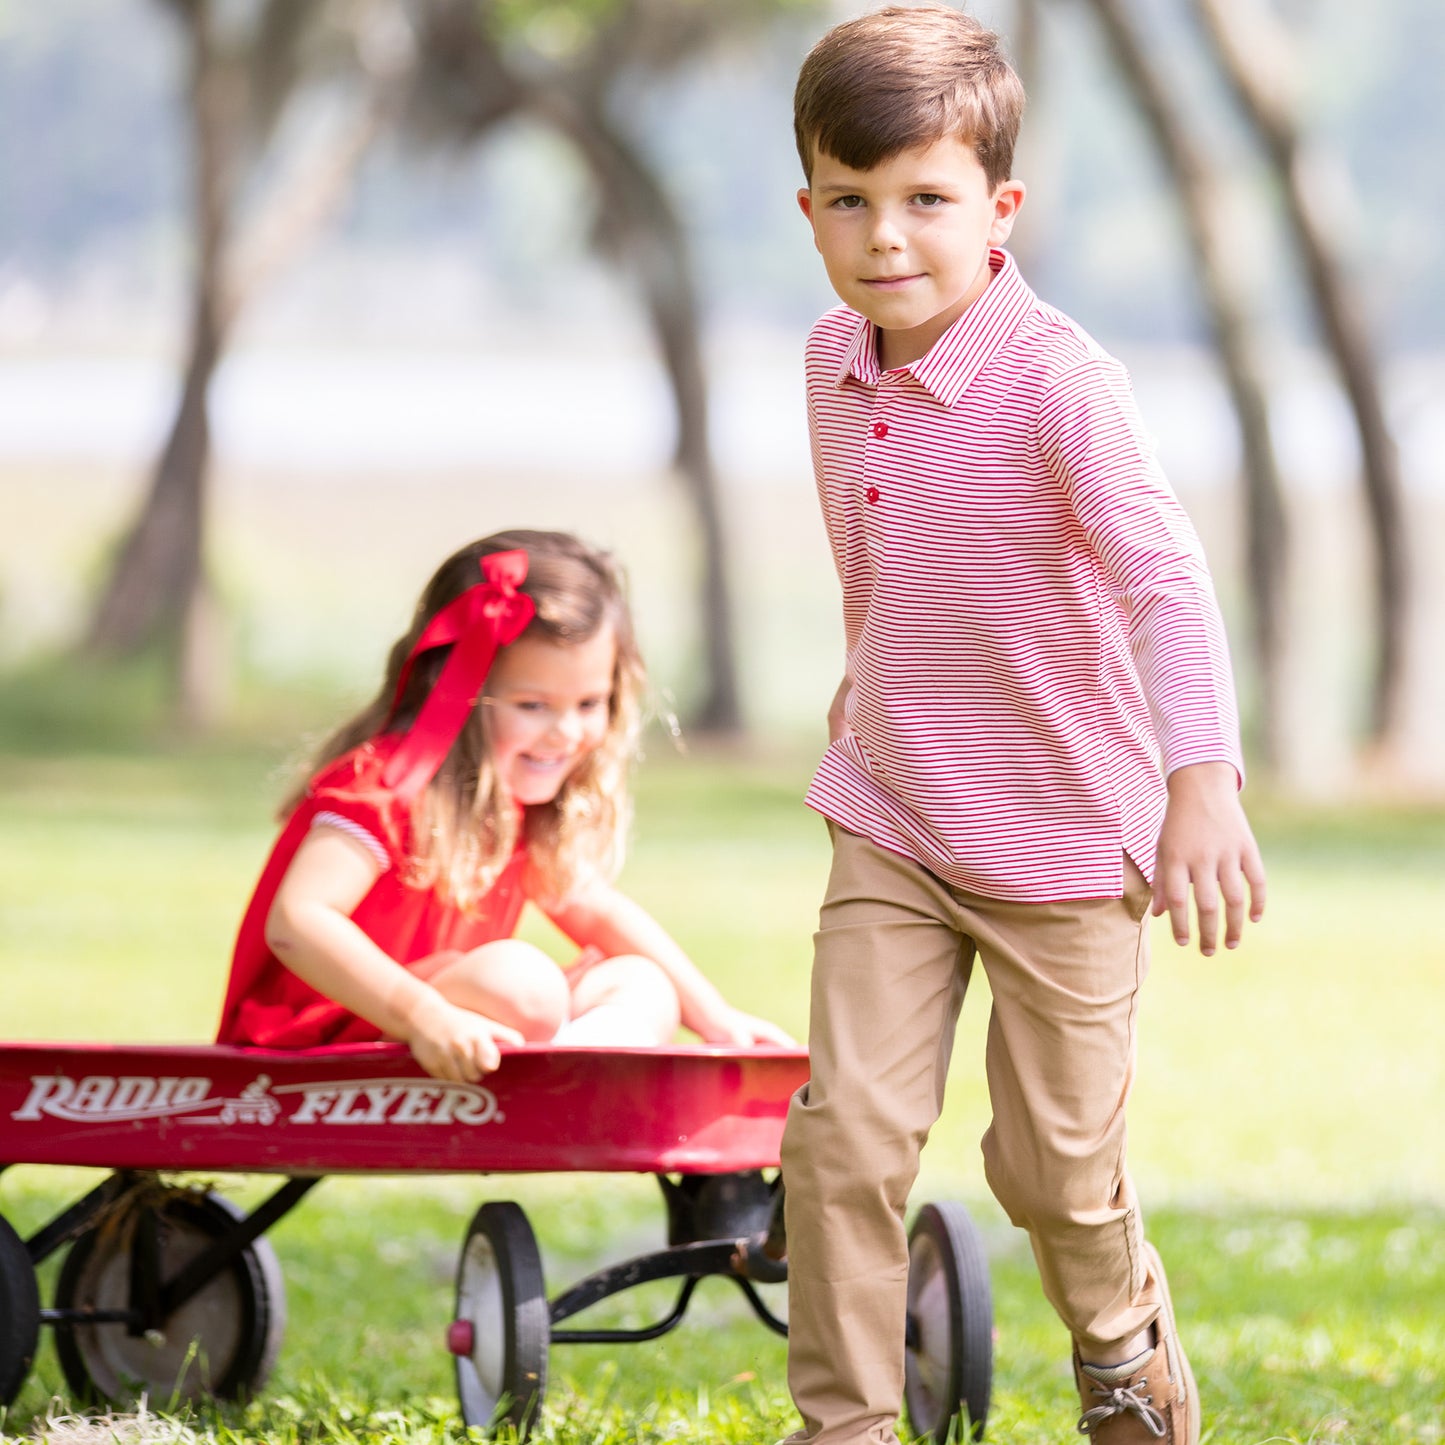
(453, 1043)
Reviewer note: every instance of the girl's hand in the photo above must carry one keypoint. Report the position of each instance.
(602, 919)
(741, 1030)
(454, 1043)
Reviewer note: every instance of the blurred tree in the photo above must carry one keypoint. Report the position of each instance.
(247, 64)
(1201, 190)
(1254, 50)
(569, 64)
(462, 68)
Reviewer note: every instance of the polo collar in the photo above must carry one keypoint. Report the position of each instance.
(952, 362)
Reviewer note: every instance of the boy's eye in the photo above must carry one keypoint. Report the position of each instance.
(927, 198)
(848, 203)
(591, 704)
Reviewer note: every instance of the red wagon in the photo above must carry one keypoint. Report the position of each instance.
(166, 1288)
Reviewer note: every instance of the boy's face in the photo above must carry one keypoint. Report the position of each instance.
(906, 243)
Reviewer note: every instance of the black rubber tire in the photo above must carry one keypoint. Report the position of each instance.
(948, 1368)
(19, 1312)
(220, 1344)
(501, 1293)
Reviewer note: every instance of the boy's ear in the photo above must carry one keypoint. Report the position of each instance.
(1007, 200)
(805, 205)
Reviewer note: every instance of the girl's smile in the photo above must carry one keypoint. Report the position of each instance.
(548, 707)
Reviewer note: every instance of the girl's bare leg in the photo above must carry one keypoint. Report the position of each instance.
(509, 981)
(627, 1001)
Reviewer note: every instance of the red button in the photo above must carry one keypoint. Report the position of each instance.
(880, 428)
(871, 494)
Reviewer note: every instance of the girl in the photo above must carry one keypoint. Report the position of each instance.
(489, 770)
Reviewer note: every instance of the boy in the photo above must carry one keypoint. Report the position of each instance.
(1033, 648)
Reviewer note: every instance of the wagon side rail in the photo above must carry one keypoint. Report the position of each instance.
(362, 1108)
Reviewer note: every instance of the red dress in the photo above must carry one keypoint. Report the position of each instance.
(266, 1004)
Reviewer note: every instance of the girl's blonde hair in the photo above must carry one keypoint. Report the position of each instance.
(464, 824)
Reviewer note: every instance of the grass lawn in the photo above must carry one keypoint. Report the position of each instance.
(1284, 1128)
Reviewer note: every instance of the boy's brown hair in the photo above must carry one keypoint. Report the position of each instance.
(907, 76)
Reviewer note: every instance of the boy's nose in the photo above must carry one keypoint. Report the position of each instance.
(885, 236)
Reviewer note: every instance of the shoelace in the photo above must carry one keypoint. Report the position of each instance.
(1123, 1400)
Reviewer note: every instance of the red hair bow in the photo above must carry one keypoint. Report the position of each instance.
(479, 622)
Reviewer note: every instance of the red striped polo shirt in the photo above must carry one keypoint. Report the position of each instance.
(1032, 633)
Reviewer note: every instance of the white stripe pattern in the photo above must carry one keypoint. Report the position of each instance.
(1031, 627)
(354, 830)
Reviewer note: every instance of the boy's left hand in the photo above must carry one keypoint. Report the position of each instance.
(1206, 844)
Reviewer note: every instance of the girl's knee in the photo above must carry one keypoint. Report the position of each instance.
(642, 980)
(513, 982)
(635, 984)
(541, 1005)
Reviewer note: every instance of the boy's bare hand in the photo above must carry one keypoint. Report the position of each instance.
(1206, 844)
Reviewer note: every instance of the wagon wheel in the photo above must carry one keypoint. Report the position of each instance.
(502, 1328)
(949, 1360)
(221, 1342)
(19, 1313)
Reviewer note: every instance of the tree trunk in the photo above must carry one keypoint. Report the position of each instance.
(1200, 190)
(1246, 41)
(158, 567)
(642, 232)
(471, 84)
(155, 592)
(308, 197)
(158, 593)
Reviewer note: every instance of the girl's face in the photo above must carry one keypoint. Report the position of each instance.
(548, 706)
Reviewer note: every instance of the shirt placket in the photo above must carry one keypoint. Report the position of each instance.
(878, 449)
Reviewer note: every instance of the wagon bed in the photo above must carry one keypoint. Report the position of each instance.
(370, 1108)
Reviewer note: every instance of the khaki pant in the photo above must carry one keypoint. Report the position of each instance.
(894, 952)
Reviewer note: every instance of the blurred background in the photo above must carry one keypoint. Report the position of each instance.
(294, 298)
